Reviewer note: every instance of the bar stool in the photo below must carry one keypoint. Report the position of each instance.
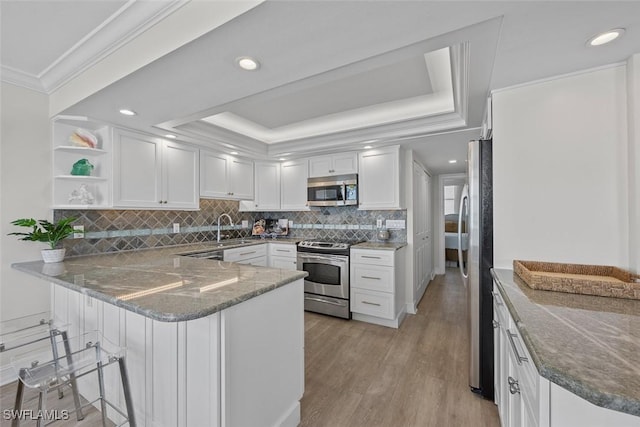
(69, 359)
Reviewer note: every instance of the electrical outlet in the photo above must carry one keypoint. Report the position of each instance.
(78, 231)
(176, 227)
(379, 223)
(245, 223)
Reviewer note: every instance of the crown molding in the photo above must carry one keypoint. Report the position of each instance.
(19, 78)
(127, 23)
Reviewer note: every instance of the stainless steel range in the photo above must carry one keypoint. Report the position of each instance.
(326, 289)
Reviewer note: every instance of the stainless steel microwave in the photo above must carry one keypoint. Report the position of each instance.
(339, 190)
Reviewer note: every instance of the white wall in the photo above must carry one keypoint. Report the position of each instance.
(633, 105)
(25, 191)
(560, 170)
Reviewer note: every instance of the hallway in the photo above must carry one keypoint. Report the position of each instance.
(358, 374)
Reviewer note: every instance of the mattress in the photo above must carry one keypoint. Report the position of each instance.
(451, 241)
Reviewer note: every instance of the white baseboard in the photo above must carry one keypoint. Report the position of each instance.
(395, 323)
(291, 418)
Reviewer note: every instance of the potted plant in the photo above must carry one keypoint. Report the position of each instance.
(46, 232)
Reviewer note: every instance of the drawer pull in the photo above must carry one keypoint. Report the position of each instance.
(514, 387)
(519, 358)
(495, 324)
(371, 303)
(247, 253)
(369, 256)
(496, 297)
(371, 277)
(282, 250)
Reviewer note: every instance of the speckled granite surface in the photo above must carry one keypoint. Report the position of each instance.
(162, 285)
(388, 246)
(589, 345)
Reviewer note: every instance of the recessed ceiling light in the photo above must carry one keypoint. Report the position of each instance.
(453, 161)
(282, 159)
(234, 152)
(606, 37)
(127, 112)
(248, 63)
(169, 135)
(366, 147)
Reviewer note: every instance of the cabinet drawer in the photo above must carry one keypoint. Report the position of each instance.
(373, 303)
(245, 252)
(373, 278)
(287, 250)
(372, 257)
(260, 261)
(525, 371)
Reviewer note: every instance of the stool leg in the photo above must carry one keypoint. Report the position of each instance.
(103, 405)
(19, 397)
(54, 350)
(72, 377)
(127, 391)
(42, 406)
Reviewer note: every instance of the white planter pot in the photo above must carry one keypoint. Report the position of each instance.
(52, 255)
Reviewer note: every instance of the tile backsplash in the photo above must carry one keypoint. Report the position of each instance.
(120, 230)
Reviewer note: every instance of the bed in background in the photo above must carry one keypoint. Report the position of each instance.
(451, 239)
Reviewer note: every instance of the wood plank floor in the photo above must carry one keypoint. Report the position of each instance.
(359, 374)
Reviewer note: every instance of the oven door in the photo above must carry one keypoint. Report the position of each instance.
(328, 274)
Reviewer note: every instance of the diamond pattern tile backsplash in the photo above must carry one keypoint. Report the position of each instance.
(120, 230)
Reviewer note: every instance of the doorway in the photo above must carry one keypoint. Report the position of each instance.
(447, 208)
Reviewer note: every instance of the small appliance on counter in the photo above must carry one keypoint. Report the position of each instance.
(270, 227)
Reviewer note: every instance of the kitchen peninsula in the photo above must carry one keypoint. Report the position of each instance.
(208, 342)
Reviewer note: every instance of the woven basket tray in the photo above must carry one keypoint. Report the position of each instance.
(598, 280)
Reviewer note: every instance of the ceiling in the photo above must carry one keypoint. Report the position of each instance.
(332, 75)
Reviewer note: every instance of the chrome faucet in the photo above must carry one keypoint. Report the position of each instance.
(230, 223)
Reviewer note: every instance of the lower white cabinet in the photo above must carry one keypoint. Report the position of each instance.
(253, 255)
(283, 255)
(242, 366)
(376, 286)
(526, 399)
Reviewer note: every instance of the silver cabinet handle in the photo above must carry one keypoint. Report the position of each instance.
(371, 277)
(282, 250)
(369, 256)
(496, 297)
(495, 324)
(514, 387)
(247, 253)
(519, 358)
(371, 303)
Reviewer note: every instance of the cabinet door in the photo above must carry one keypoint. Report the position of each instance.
(285, 263)
(180, 176)
(379, 179)
(213, 174)
(344, 163)
(320, 166)
(267, 186)
(294, 185)
(241, 179)
(137, 171)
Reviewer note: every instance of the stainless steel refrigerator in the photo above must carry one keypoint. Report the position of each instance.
(476, 219)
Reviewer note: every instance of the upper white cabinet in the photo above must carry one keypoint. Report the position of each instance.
(379, 178)
(93, 189)
(153, 173)
(294, 176)
(225, 177)
(267, 188)
(335, 164)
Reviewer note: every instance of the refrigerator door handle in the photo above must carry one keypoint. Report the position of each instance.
(463, 201)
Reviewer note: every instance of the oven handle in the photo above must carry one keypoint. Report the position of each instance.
(323, 301)
(340, 258)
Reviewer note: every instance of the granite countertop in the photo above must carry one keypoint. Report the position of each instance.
(589, 345)
(161, 284)
(386, 246)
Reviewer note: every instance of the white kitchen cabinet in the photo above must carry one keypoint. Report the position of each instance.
(150, 172)
(335, 164)
(267, 188)
(293, 175)
(376, 277)
(96, 187)
(225, 177)
(283, 255)
(253, 255)
(379, 178)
